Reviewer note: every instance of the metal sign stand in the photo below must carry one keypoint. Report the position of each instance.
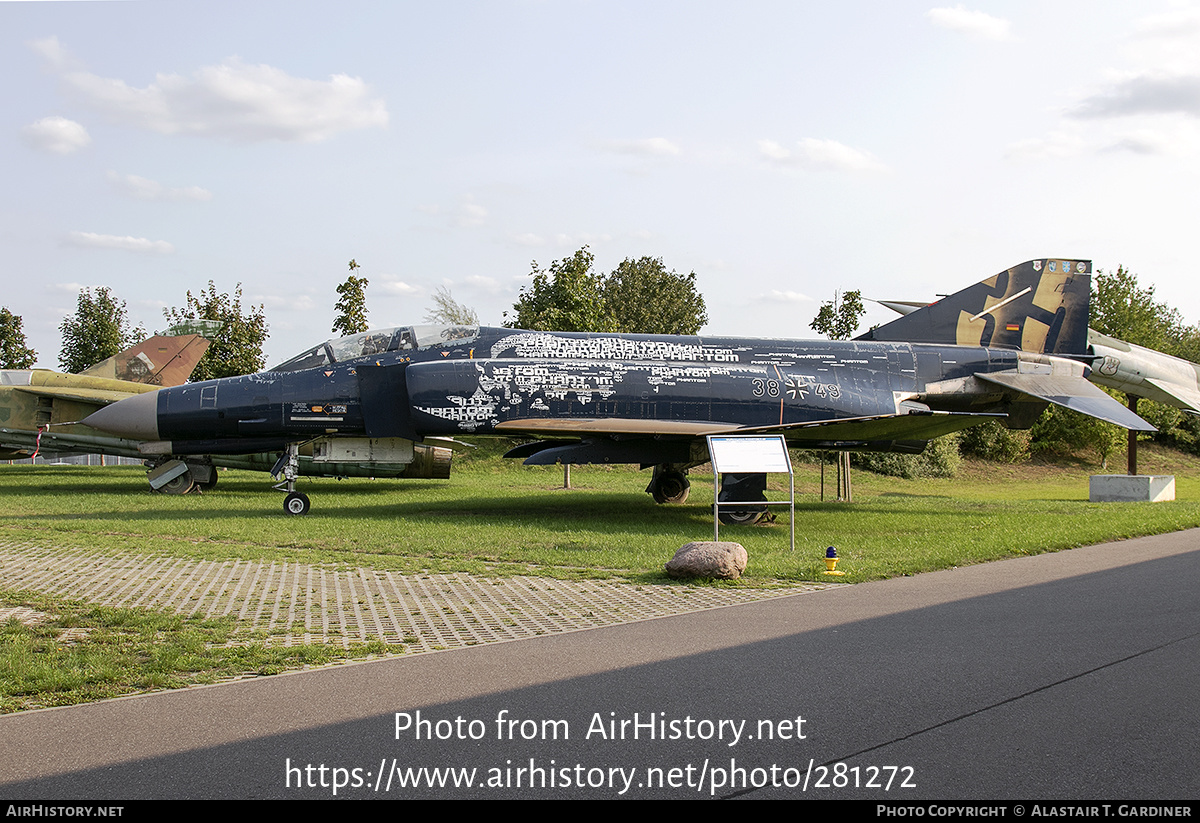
(751, 454)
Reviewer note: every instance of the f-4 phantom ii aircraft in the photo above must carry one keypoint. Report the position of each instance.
(41, 409)
(1132, 369)
(647, 399)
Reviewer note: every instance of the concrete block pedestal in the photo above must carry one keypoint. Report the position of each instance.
(1125, 488)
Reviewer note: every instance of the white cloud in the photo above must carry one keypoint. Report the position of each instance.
(390, 285)
(144, 189)
(291, 302)
(72, 288)
(56, 134)
(561, 240)
(1056, 146)
(529, 239)
(1138, 145)
(1180, 22)
(775, 295)
(1172, 139)
(470, 214)
(1178, 139)
(488, 284)
(977, 24)
(467, 214)
(815, 154)
(1147, 93)
(53, 52)
(772, 150)
(233, 101)
(111, 241)
(647, 147)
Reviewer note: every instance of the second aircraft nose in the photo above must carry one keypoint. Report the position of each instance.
(134, 417)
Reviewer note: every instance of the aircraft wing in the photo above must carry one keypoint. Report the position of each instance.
(1186, 399)
(908, 426)
(571, 426)
(81, 394)
(1072, 393)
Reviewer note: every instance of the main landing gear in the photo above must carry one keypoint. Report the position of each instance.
(172, 475)
(750, 488)
(288, 466)
(669, 484)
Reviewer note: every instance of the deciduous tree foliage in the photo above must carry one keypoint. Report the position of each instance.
(97, 330)
(351, 305)
(639, 297)
(1123, 309)
(14, 351)
(565, 297)
(238, 346)
(838, 318)
(644, 298)
(448, 311)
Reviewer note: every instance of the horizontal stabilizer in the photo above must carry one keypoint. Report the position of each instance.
(1185, 398)
(1071, 392)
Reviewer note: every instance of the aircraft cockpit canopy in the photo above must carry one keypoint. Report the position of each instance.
(378, 341)
(16, 377)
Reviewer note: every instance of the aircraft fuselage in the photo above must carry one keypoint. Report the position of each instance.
(502, 376)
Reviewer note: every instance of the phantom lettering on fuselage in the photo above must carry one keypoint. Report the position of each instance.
(629, 398)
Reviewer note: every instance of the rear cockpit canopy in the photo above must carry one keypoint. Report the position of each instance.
(378, 341)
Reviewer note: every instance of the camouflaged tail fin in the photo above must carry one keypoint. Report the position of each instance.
(1039, 306)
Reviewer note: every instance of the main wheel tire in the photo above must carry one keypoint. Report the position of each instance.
(296, 503)
(178, 485)
(741, 517)
(671, 487)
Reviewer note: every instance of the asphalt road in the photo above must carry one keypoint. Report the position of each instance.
(1073, 675)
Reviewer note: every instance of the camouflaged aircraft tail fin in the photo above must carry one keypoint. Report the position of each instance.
(162, 360)
(1039, 306)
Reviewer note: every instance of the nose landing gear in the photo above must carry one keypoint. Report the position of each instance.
(288, 465)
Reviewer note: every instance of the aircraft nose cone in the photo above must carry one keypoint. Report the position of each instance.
(134, 417)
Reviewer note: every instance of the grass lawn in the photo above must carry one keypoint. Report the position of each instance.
(498, 518)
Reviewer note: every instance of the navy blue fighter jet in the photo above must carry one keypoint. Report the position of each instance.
(650, 399)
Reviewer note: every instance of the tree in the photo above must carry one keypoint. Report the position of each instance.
(98, 330)
(566, 297)
(639, 296)
(14, 353)
(449, 311)
(237, 347)
(644, 298)
(352, 305)
(1121, 308)
(1064, 432)
(838, 319)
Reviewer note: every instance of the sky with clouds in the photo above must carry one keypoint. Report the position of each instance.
(780, 150)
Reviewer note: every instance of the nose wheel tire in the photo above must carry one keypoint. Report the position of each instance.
(296, 503)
